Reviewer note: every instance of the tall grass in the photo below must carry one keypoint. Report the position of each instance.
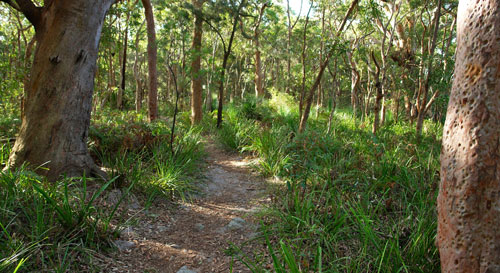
(139, 152)
(49, 226)
(58, 226)
(366, 202)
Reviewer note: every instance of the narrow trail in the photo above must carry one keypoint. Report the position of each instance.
(195, 235)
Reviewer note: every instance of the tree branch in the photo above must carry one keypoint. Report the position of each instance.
(28, 8)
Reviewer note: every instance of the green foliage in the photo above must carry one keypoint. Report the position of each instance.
(365, 202)
(49, 226)
(139, 152)
(62, 223)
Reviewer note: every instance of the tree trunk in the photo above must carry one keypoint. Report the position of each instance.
(59, 96)
(227, 53)
(305, 115)
(259, 90)
(378, 99)
(137, 74)
(221, 90)
(196, 87)
(121, 91)
(424, 88)
(319, 100)
(468, 202)
(355, 78)
(152, 56)
(303, 59)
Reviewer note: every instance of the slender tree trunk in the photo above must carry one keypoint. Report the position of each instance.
(355, 78)
(59, 96)
(378, 99)
(119, 100)
(319, 100)
(305, 115)
(334, 96)
(259, 91)
(227, 53)
(196, 86)
(137, 74)
(423, 107)
(209, 79)
(303, 59)
(152, 56)
(468, 203)
(221, 90)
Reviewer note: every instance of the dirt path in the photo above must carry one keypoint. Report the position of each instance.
(196, 234)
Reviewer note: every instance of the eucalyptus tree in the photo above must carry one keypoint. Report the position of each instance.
(152, 60)
(233, 10)
(196, 76)
(55, 126)
(322, 67)
(468, 237)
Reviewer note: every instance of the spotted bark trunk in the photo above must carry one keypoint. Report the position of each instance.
(469, 202)
(55, 127)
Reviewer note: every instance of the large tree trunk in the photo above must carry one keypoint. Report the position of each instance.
(196, 88)
(55, 127)
(468, 202)
(152, 56)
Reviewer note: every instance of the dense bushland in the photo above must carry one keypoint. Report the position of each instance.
(347, 201)
(64, 225)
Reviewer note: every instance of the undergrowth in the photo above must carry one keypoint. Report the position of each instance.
(60, 226)
(349, 201)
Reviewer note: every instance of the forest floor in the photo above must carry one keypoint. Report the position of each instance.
(197, 235)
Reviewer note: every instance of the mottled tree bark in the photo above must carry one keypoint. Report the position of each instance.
(152, 57)
(54, 129)
(196, 77)
(469, 202)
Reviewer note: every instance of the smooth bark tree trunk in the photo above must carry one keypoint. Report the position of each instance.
(196, 86)
(55, 127)
(259, 90)
(152, 57)
(468, 203)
